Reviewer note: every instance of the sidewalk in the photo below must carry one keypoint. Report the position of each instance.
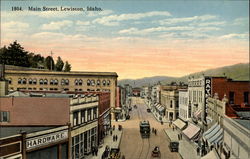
(108, 141)
(156, 115)
(187, 150)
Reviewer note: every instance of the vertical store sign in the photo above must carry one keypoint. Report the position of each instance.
(207, 94)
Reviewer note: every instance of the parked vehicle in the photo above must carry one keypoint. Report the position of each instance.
(174, 146)
(115, 153)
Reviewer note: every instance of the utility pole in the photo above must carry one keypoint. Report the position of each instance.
(51, 54)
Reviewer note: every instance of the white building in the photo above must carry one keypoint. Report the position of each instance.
(184, 106)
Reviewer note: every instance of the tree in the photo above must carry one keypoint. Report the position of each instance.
(2, 55)
(59, 64)
(67, 67)
(15, 55)
(35, 60)
(49, 63)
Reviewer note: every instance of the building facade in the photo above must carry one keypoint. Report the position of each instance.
(21, 78)
(184, 106)
(170, 100)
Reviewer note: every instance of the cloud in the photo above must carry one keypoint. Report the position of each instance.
(212, 23)
(187, 19)
(14, 26)
(241, 21)
(57, 25)
(234, 35)
(84, 23)
(114, 20)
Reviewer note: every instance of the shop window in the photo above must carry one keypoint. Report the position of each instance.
(4, 116)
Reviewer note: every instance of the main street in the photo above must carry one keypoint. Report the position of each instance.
(133, 146)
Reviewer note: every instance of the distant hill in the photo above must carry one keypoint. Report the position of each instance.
(236, 72)
(145, 81)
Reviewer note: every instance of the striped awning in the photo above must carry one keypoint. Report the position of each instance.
(197, 114)
(214, 135)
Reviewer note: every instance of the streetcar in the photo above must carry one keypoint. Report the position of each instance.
(145, 129)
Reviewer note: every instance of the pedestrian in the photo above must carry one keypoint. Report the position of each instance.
(178, 136)
(173, 127)
(113, 137)
(155, 131)
(111, 132)
(103, 155)
(161, 122)
(198, 150)
(123, 157)
(116, 137)
(92, 151)
(181, 136)
(96, 152)
(113, 127)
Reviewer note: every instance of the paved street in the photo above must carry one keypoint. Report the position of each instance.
(133, 146)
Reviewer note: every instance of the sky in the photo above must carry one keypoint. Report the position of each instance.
(135, 38)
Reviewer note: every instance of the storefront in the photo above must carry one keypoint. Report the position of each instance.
(51, 143)
(11, 147)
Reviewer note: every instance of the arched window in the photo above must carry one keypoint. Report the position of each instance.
(10, 80)
(104, 83)
(98, 82)
(171, 104)
(92, 82)
(24, 81)
(34, 81)
(80, 82)
(41, 81)
(30, 81)
(62, 82)
(51, 82)
(55, 82)
(108, 82)
(88, 82)
(66, 82)
(19, 81)
(76, 82)
(45, 81)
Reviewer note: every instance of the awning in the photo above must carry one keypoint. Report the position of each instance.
(211, 155)
(214, 135)
(191, 131)
(197, 114)
(179, 123)
(160, 108)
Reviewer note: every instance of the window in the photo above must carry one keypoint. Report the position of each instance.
(89, 114)
(45, 81)
(51, 82)
(83, 116)
(92, 82)
(76, 82)
(24, 80)
(10, 80)
(4, 116)
(231, 97)
(88, 82)
(75, 118)
(41, 81)
(80, 82)
(66, 82)
(171, 104)
(98, 82)
(30, 81)
(34, 81)
(104, 83)
(95, 113)
(108, 82)
(55, 82)
(62, 82)
(246, 100)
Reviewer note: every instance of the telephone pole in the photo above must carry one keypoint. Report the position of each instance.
(51, 54)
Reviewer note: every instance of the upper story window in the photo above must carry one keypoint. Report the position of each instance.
(4, 116)
(10, 80)
(104, 83)
(231, 97)
(98, 82)
(76, 82)
(34, 81)
(75, 118)
(92, 82)
(88, 82)
(41, 81)
(108, 82)
(80, 82)
(62, 82)
(30, 81)
(45, 81)
(66, 82)
(51, 82)
(246, 99)
(171, 104)
(55, 82)
(24, 81)
(19, 81)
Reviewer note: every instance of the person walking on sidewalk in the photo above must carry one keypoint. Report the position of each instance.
(155, 132)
